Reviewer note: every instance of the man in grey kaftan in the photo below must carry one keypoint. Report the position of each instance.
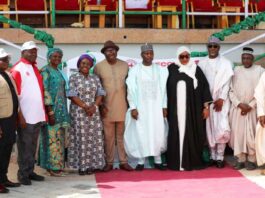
(218, 71)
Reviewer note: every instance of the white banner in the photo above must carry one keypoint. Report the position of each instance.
(136, 4)
(72, 63)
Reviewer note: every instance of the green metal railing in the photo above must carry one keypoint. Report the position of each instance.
(184, 14)
(54, 12)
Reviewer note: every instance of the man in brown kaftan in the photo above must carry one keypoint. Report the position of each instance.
(112, 73)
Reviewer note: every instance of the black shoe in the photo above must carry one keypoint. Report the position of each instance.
(108, 168)
(126, 167)
(160, 167)
(251, 166)
(139, 167)
(36, 177)
(220, 164)
(10, 184)
(3, 189)
(24, 181)
(80, 172)
(89, 171)
(239, 165)
(212, 162)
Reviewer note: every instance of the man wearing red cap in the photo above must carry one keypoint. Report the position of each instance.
(112, 73)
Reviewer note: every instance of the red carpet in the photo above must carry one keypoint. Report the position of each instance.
(210, 183)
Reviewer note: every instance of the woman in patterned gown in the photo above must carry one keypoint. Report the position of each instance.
(86, 145)
(52, 137)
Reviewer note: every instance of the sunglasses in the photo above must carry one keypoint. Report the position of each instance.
(213, 46)
(184, 56)
(5, 59)
(109, 50)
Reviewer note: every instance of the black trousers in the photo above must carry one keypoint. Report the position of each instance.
(27, 144)
(5, 154)
(8, 126)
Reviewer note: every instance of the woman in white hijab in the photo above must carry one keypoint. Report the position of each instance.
(188, 100)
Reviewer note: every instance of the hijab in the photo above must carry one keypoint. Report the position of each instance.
(190, 68)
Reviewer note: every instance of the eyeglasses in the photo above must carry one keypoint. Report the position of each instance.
(184, 56)
(5, 59)
(213, 46)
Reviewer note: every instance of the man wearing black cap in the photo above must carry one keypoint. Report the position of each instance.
(112, 73)
(243, 113)
(218, 71)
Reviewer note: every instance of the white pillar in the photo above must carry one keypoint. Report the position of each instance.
(246, 8)
(120, 14)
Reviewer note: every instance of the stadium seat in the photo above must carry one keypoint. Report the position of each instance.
(168, 6)
(4, 6)
(257, 6)
(150, 7)
(68, 5)
(27, 5)
(105, 5)
(203, 6)
(239, 3)
(230, 6)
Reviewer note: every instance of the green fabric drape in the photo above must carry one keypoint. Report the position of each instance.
(38, 34)
(249, 22)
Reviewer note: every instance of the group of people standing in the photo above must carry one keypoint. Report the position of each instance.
(146, 110)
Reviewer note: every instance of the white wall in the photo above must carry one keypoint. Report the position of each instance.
(130, 50)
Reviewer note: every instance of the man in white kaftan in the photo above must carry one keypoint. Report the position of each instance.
(218, 71)
(145, 125)
(260, 131)
(242, 117)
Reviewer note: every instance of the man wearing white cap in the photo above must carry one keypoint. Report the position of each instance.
(260, 130)
(8, 118)
(145, 130)
(30, 94)
(243, 112)
(218, 71)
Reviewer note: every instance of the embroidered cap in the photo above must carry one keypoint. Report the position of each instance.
(29, 45)
(248, 50)
(3, 53)
(214, 39)
(146, 47)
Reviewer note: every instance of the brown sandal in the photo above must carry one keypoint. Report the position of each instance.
(56, 174)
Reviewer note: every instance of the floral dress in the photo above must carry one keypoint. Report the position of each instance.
(86, 145)
(52, 138)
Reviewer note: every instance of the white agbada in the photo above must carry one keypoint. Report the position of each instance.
(218, 72)
(146, 89)
(243, 127)
(260, 132)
